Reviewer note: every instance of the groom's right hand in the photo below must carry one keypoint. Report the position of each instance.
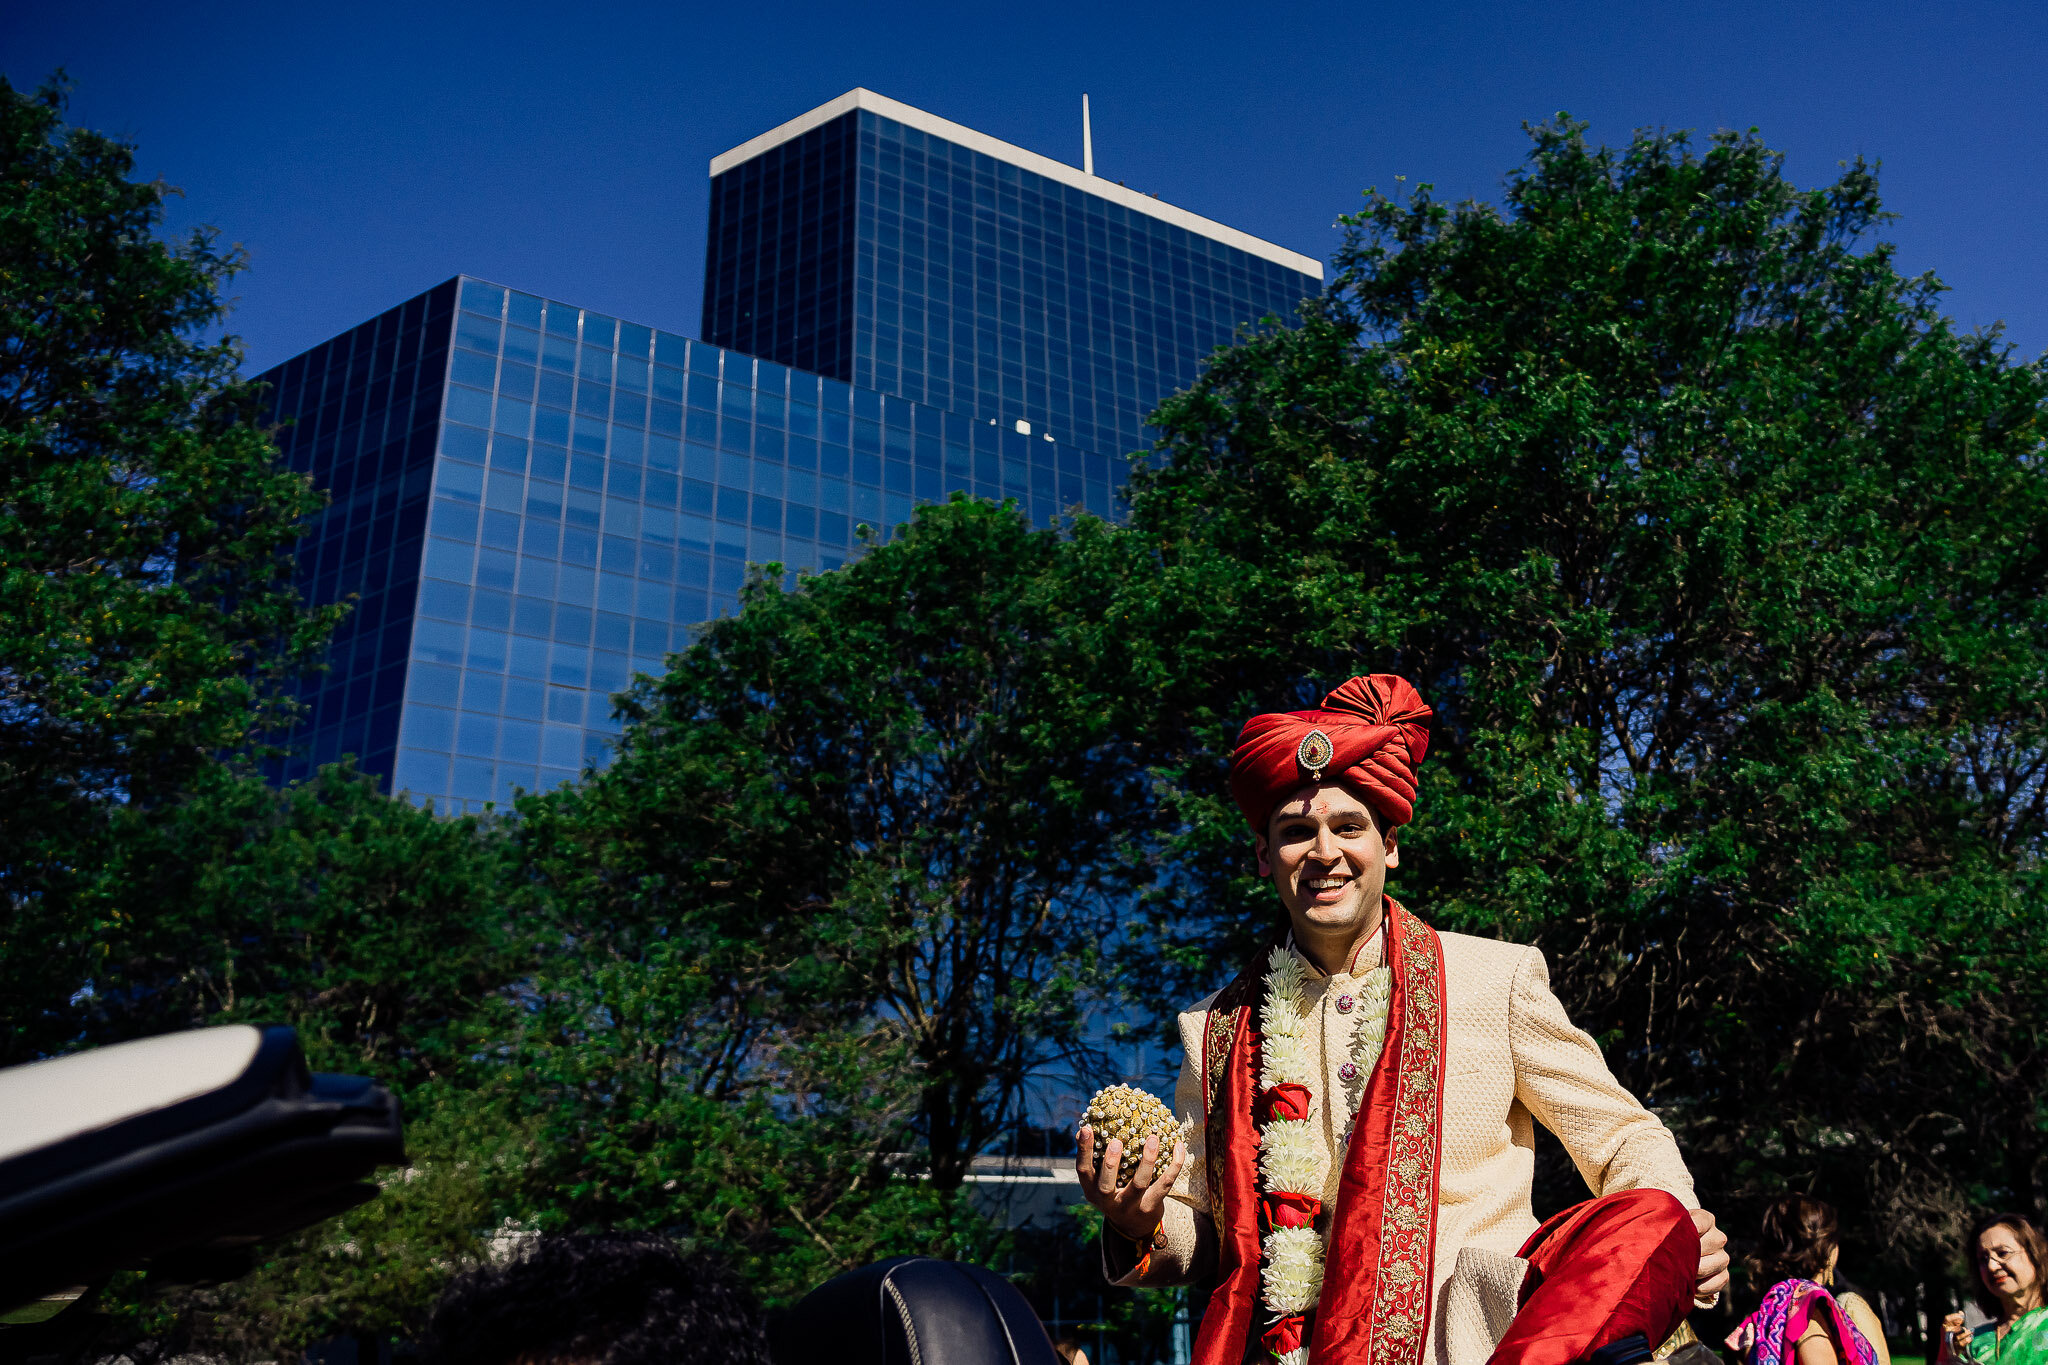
(1136, 1209)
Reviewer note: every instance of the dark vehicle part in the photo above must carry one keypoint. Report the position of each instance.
(175, 1154)
(913, 1310)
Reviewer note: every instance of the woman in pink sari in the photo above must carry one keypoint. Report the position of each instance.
(1800, 1321)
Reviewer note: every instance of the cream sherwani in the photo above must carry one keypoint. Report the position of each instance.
(1511, 1059)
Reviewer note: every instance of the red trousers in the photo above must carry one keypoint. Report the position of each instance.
(1621, 1264)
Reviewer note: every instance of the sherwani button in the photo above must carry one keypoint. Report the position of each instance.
(1348, 1071)
(1345, 1004)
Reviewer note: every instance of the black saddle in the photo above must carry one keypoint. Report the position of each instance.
(912, 1310)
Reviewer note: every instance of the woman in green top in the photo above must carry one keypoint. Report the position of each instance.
(2009, 1252)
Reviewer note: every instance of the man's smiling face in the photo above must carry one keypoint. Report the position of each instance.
(1328, 860)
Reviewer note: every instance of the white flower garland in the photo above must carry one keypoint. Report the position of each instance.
(1291, 1276)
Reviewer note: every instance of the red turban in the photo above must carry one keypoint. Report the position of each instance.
(1372, 733)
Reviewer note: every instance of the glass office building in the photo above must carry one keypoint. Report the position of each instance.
(533, 501)
(365, 412)
(897, 251)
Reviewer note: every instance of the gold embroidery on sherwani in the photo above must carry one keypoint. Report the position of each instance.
(1217, 1037)
(1401, 1299)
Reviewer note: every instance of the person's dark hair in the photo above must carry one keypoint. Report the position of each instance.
(1795, 1238)
(2031, 1241)
(609, 1298)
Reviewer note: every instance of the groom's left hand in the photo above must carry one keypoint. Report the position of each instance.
(1713, 1276)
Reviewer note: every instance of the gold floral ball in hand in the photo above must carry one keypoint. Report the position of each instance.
(1130, 1116)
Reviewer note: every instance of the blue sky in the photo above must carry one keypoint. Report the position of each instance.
(364, 152)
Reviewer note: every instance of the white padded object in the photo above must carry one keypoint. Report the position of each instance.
(64, 1097)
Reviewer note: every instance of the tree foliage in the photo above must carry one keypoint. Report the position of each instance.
(383, 933)
(850, 868)
(146, 607)
(1718, 551)
(371, 1274)
(388, 937)
(148, 881)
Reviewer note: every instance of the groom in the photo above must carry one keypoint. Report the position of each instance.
(1361, 1103)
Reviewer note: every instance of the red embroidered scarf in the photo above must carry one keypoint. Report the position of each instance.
(1375, 1303)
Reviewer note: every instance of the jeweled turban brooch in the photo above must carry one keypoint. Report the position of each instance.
(1314, 754)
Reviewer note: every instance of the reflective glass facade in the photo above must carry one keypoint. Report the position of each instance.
(779, 261)
(597, 488)
(365, 418)
(534, 501)
(959, 279)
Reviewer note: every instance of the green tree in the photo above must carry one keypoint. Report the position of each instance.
(852, 865)
(373, 1273)
(1720, 553)
(393, 940)
(146, 608)
(385, 934)
(805, 1168)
